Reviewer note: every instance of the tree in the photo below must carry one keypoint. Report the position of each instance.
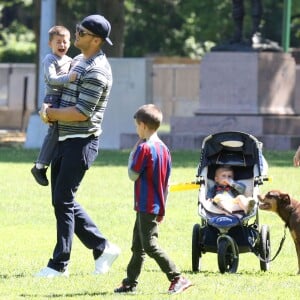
(113, 10)
(190, 27)
(142, 27)
(17, 39)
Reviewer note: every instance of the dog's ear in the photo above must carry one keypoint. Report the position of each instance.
(286, 198)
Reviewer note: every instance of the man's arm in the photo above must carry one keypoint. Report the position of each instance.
(65, 114)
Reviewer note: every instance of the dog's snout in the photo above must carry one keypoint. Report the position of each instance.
(260, 197)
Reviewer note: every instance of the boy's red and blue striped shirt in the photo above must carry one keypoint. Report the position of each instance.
(152, 160)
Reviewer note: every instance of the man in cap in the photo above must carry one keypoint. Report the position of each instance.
(79, 118)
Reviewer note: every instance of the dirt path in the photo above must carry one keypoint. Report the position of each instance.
(12, 137)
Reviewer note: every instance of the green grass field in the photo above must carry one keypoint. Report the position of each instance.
(28, 233)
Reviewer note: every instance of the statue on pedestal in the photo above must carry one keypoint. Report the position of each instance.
(238, 13)
(256, 42)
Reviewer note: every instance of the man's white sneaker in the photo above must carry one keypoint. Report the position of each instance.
(104, 262)
(50, 273)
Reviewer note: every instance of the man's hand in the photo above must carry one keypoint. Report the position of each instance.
(43, 113)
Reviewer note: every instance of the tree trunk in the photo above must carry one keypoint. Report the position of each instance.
(113, 11)
(36, 29)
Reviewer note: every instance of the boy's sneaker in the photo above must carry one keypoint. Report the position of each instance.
(40, 175)
(178, 285)
(104, 262)
(50, 273)
(125, 289)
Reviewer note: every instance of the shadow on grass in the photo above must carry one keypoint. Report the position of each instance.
(279, 158)
(105, 158)
(184, 159)
(67, 295)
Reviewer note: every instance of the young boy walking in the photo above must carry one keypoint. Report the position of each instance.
(149, 166)
(56, 66)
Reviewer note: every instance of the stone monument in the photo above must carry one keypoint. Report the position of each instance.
(244, 86)
(239, 42)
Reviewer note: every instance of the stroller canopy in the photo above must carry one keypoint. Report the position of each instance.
(231, 148)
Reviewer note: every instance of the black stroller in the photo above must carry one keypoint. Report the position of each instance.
(230, 234)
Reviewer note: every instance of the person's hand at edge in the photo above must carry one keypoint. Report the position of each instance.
(297, 158)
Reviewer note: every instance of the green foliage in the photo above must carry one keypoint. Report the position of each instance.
(295, 27)
(17, 44)
(10, 3)
(165, 27)
(191, 28)
(159, 27)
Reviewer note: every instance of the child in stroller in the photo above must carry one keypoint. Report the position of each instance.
(221, 232)
(229, 194)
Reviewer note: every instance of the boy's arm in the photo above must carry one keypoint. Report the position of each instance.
(210, 192)
(131, 174)
(52, 78)
(238, 186)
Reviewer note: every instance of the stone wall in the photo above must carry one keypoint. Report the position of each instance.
(17, 94)
(242, 91)
(176, 86)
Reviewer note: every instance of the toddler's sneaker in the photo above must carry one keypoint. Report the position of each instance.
(125, 289)
(178, 285)
(50, 273)
(104, 262)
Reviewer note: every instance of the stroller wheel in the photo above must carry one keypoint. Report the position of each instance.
(228, 255)
(264, 247)
(196, 248)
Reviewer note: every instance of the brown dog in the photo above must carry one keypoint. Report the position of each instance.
(288, 210)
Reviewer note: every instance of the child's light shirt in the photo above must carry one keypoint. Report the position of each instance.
(56, 71)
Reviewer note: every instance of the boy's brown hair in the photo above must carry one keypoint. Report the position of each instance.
(150, 115)
(58, 30)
